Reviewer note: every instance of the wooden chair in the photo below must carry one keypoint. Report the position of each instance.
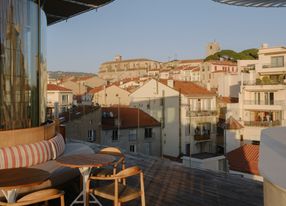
(107, 171)
(118, 191)
(37, 197)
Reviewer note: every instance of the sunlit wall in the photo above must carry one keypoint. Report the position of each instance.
(22, 64)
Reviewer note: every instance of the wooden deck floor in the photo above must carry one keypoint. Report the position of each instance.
(170, 183)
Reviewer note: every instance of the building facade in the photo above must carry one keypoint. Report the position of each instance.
(131, 129)
(22, 73)
(262, 97)
(122, 69)
(110, 95)
(60, 99)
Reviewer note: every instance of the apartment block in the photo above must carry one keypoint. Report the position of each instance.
(262, 98)
(187, 113)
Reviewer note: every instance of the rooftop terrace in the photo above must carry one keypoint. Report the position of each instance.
(170, 183)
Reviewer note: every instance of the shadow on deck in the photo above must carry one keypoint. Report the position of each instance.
(170, 183)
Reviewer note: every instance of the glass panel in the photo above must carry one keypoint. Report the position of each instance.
(22, 73)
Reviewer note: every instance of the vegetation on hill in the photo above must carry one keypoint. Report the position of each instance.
(248, 54)
(60, 74)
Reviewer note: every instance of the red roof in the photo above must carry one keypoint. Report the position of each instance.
(96, 89)
(189, 88)
(191, 61)
(53, 87)
(244, 159)
(128, 118)
(217, 62)
(227, 100)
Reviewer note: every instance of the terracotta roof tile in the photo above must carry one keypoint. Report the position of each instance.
(53, 87)
(217, 62)
(191, 61)
(189, 88)
(244, 159)
(233, 124)
(128, 118)
(96, 89)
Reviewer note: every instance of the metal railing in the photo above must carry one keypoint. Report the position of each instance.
(270, 102)
(266, 66)
(262, 123)
(201, 113)
(201, 137)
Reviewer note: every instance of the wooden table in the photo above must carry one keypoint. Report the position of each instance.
(13, 179)
(85, 162)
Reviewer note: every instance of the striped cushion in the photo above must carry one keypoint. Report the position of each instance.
(25, 155)
(58, 145)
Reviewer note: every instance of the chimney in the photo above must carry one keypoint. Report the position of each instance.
(170, 83)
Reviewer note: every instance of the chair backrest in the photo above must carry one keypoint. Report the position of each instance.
(131, 171)
(112, 150)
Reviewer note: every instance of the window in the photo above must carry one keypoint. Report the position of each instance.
(132, 148)
(148, 132)
(115, 135)
(257, 97)
(65, 99)
(277, 61)
(132, 135)
(255, 142)
(91, 134)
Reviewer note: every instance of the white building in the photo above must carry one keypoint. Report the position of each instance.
(263, 98)
(187, 113)
(59, 99)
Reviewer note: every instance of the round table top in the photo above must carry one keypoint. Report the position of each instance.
(21, 177)
(86, 160)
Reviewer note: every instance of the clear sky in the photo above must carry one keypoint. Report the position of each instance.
(161, 30)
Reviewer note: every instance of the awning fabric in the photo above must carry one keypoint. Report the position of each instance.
(60, 10)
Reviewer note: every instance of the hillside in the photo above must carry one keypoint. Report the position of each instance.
(248, 54)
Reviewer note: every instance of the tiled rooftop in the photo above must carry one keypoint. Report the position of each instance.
(128, 118)
(53, 87)
(189, 88)
(244, 159)
(170, 183)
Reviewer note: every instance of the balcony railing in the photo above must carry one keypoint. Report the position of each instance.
(262, 123)
(266, 66)
(200, 113)
(202, 137)
(270, 102)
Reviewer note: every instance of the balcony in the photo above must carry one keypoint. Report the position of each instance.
(273, 69)
(262, 123)
(277, 105)
(270, 102)
(202, 137)
(201, 113)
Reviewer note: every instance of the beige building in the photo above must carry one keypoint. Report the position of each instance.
(83, 123)
(76, 87)
(162, 103)
(187, 113)
(110, 95)
(210, 68)
(122, 69)
(90, 81)
(131, 129)
(59, 99)
(262, 98)
(81, 85)
(198, 114)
